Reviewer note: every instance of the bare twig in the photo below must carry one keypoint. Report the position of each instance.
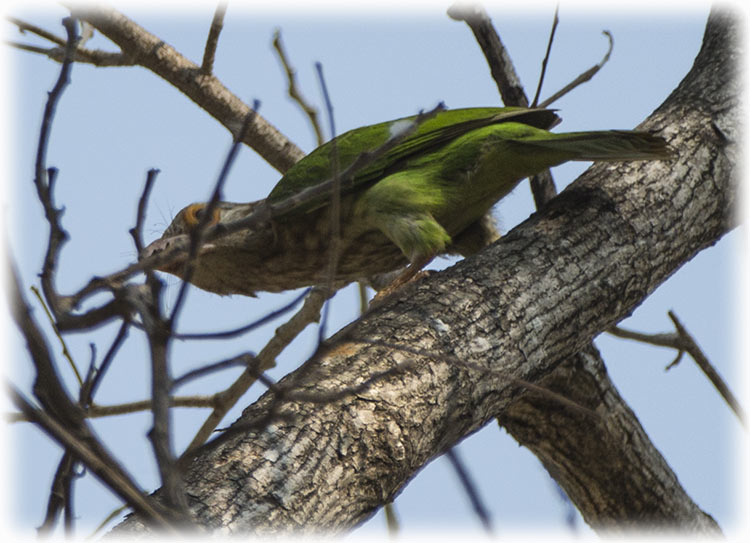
(136, 231)
(47, 385)
(683, 342)
(104, 366)
(293, 89)
(114, 514)
(24, 27)
(334, 239)
(99, 411)
(508, 83)
(67, 489)
(205, 90)
(213, 38)
(470, 488)
(245, 360)
(44, 179)
(65, 350)
(660, 340)
(246, 328)
(391, 519)
(63, 420)
(362, 296)
(585, 76)
(555, 22)
(145, 299)
(103, 468)
(197, 234)
(58, 499)
(82, 55)
(501, 67)
(58, 53)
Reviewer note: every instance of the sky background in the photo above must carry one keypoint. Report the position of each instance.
(113, 124)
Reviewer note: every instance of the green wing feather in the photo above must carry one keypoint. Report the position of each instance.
(434, 133)
(602, 145)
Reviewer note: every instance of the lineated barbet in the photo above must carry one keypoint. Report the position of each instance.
(428, 195)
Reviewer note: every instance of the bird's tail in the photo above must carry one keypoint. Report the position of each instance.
(607, 145)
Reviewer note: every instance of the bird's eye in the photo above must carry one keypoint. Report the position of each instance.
(194, 214)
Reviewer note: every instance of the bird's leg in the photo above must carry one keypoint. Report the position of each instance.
(412, 272)
(398, 209)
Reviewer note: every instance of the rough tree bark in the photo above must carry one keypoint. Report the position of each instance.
(521, 311)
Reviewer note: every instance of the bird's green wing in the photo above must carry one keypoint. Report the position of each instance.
(432, 134)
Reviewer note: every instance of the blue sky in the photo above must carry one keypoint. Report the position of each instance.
(113, 124)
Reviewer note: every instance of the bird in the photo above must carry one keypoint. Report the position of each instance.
(429, 193)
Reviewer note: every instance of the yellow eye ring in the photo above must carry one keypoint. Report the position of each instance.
(193, 215)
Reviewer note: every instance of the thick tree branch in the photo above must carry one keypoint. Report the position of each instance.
(596, 251)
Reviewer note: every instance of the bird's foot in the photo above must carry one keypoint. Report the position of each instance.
(408, 276)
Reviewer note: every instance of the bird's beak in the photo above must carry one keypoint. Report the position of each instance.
(178, 245)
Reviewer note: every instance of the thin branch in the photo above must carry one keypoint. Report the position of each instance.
(334, 239)
(106, 362)
(508, 83)
(145, 299)
(95, 57)
(24, 26)
(57, 497)
(585, 76)
(682, 341)
(67, 484)
(293, 90)
(207, 91)
(501, 67)
(103, 468)
(671, 339)
(362, 296)
(47, 386)
(246, 328)
(555, 22)
(136, 231)
(213, 38)
(708, 369)
(391, 519)
(84, 392)
(44, 179)
(470, 488)
(197, 234)
(100, 411)
(114, 514)
(244, 360)
(65, 350)
(58, 52)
